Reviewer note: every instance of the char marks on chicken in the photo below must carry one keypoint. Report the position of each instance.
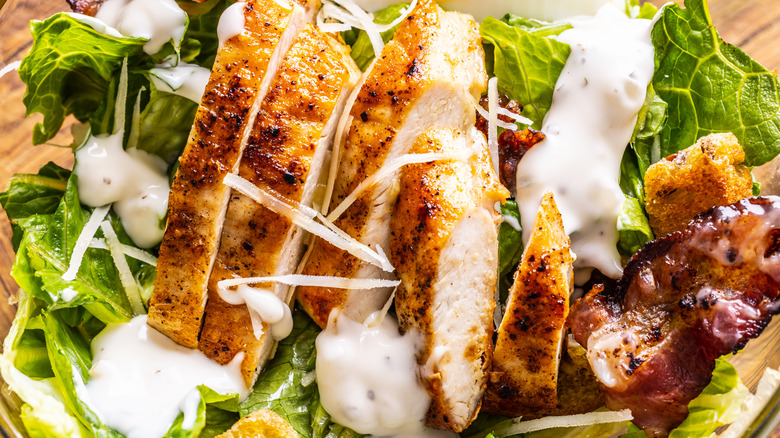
(683, 301)
(198, 200)
(285, 154)
(422, 80)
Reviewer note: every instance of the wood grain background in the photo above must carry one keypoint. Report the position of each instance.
(749, 24)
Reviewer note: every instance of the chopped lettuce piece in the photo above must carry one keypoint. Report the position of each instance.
(68, 70)
(362, 51)
(712, 86)
(200, 41)
(718, 404)
(280, 386)
(215, 414)
(510, 247)
(632, 222)
(165, 123)
(526, 63)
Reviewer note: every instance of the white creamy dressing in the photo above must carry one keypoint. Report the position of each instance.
(134, 180)
(140, 380)
(231, 23)
(95, 24)
(595, 105)
(540, 9)
(186, 80)
(367, 376)
(159, 21)
(264, 307)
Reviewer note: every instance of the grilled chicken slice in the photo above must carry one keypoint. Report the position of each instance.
(422, 80)
(198, 200)
(683, 301)
(524, 377)
(286, 154)
(444, 245)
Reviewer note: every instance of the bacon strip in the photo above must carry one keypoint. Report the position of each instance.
(683, 301)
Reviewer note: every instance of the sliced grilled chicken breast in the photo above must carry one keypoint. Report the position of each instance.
(286, 154)
(421, 80)
(444, 245)
(239, 80)
(524, 376)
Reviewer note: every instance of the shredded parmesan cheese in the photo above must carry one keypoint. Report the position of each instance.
(351, 15)
(9, 68)
(125, 276)
(493, 121)
(82, 243)
(567, 421)
(389, 169)
(313, 281)
(128, 250)
(303, 217)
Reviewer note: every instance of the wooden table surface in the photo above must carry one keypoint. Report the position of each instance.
(749, 24)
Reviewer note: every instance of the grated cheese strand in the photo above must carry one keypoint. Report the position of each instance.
(9, 68)
(125, 276)
(389, 169)
(516, 117)
(588, 419)
(364, 21)
(313, 281)
(493, 121)
(303, 217)
(128, 250)
(82, 243)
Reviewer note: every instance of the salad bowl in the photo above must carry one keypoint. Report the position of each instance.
(748, 24)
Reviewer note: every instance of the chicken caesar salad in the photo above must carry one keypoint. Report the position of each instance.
(346, 218)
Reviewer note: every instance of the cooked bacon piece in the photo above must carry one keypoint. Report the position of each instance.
(683, 301)
(503, 102)
(689, 182)
(198, 200)
(530, 340)
(86, 7)
(512, 145)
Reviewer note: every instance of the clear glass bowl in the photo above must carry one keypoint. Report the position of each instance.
(750, 24)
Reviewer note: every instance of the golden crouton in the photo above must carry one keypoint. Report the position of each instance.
(261, 424)
(684, 184)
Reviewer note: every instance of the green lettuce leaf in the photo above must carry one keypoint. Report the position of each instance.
(165, 123)
(45, 252)
(215, 414)
(510, 248)
(647, 136)
(279, 387)
(200, 41)
(632, 222)
(68, 69)
(712, 86)
(717, 405)
(638, 9)
(527, 64)
(362, 51)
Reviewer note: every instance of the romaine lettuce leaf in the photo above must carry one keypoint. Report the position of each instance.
(712, 86)
(527, 64)
(45, 252)
(68, 69)
(362, 51)
(215, 414)
(510, 248)
(717, 405)
(632, 222)
(165, 123)
(280, 388)
(200, 41)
